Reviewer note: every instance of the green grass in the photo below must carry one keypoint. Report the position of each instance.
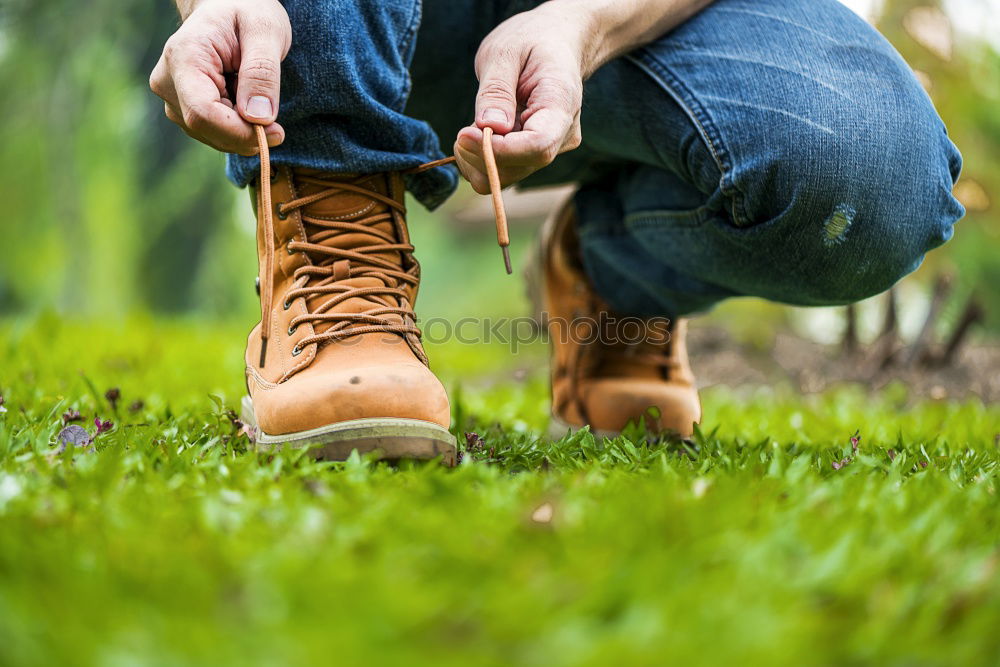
(171, 543)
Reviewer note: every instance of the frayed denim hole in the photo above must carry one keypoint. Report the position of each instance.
(836, 226)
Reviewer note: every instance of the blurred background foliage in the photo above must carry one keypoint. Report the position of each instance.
(108, 209)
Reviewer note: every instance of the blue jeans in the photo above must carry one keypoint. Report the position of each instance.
(772, 148)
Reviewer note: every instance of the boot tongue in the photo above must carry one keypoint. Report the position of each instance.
(354, 207)
(344, 204)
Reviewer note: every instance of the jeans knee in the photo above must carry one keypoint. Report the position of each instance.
(863, 214)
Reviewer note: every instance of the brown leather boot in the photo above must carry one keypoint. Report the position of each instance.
(336, 361)
(606, 370)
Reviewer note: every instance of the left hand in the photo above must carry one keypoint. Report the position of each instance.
(531, 70)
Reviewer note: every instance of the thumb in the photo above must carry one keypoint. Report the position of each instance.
(496, 102)
(259, 81)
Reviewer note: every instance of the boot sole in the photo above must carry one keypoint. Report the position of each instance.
(389, 438)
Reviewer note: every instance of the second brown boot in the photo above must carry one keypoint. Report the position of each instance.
(606, 370)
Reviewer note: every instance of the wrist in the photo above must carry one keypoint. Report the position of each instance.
(187, 7)
(603, 29)
(610, 28)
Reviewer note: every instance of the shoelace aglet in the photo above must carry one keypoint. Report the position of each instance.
(493, 174)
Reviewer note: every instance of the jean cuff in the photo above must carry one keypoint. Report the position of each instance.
(431, 188)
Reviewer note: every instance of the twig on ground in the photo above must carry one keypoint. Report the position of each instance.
(973, 314)
(849, 345)
(885, 344)
(918, 352)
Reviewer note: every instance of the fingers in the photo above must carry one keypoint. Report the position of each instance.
(546, 134)
(470, 164)
(190, 76)
(194, 103)
(160, 82)
(245, 144)
(259, 81)
(469, 159)
(496, 102)
(546, 120)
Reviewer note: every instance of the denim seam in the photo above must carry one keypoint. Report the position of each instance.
(662, 75)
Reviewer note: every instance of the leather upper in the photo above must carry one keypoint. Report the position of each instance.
(596, 380)
(342, 263)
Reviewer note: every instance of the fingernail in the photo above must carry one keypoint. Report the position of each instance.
(259, 106)
(495, 115)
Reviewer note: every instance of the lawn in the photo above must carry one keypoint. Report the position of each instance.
(771, 539)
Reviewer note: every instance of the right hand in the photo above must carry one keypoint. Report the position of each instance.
(219, 37)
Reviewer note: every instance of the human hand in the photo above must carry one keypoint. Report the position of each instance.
(219, 37)
(531, 70)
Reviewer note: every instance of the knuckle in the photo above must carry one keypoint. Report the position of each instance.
(492, 51)
(260, 70)
(267, 21)
(260, 24)
(268, 26)
(156, 83)
(195, 117)
(485, 55)
(497, 91)
(175, 48)
(549, 153)
(575, 139)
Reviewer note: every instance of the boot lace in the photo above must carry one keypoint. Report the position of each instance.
(336, 264)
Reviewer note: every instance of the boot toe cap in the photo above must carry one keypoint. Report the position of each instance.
(612, 403)
(311, 399)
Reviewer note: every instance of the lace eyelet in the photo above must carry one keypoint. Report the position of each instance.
(274, 174)
(281, 215)
(256, 284)
(296, 351)
(289, 247)
(291, 329)
(286, 304)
